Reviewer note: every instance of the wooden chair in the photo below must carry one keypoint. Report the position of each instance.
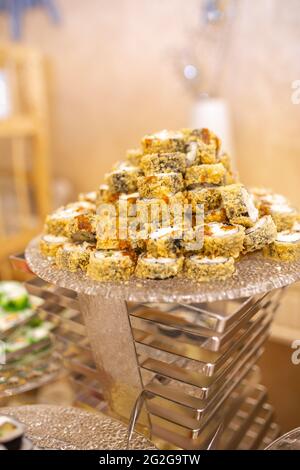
(24, 172)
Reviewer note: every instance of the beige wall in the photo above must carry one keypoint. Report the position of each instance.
(113, 80)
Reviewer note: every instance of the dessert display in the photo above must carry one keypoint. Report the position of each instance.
(173, 208)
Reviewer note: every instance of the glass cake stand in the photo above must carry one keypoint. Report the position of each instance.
(189, 350)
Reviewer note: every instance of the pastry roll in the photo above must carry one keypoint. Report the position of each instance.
(74, 256)
(82, 227)
(164, 242)
(261, 234)
(223, 240)
(208, 196)
(204, 269)
(153, 163)
(49, 244)
(88, 197)
(57, 222)
(134, 156)
(158, 268)
(283, 215)
(203, 146)
(127, 204)
(286, 247)
(103, 194)
(205, 174)
(160, 185)
(164, 142)
(239, 205)
(123, 179)
(165, 211)
(216, 215)
(110, 265)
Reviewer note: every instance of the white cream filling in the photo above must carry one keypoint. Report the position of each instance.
(54, 239)
(251, 209)
(205, 260)
(192, 153)
(108, 254)
(296, 226)
(262, 221)
(282, 209)
(288, 237)
(162, 232)
(165, 135)
(218, 230)
(275, 199)
(125, 197)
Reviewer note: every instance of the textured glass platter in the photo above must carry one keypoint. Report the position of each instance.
(254, 275)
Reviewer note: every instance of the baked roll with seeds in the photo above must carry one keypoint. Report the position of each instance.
(103, 194)
(165, 211)
(57, 222)
(216, 215)
(127, 204)
(239, 205)
(192, 239)
(204, 174)
(153, 163)
(203, 146)
(164, 142)
(223, 240)
(82, 227)
(49, 244)
(74, 256)
(286, 247)
(164, 242)
(134, 156)
(283, 215)
(88, 197)
(158, 268)
(204, 269)
(123, 179)
(208, 196)
(110, 265)
(261, 234)
(160, 185)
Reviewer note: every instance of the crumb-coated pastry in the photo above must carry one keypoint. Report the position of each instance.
(216, 215)
(127, 204)
(49, 244)
(165, 211)
(205, 174)
(283, 215)
(74, 256)
(204, 269)
(164, 142)
(134, 156)
(153, 163)
(207, 196)
(82, 227)
(164, 242)
(192, 238)
(203, 146)
(103, 194)
(286, 247)
(123, 179)
(91, 197)
(223, 240)
(148, 267)
(261, 234)
(57, 222)
(110, 265)
(160, 185)
(239, 205)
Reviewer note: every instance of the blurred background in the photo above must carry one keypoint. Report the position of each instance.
(82, 81)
